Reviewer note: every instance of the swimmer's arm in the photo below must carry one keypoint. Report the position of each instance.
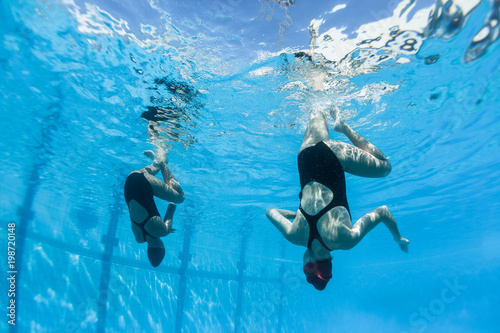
(281, 220)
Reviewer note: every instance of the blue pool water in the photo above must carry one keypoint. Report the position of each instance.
(419, 79)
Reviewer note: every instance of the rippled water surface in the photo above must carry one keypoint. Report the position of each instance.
(227, 86)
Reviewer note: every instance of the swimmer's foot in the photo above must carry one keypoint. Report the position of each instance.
(335, 112)
(161, 156)
(149, 154)
(340, 124)
(403, 244)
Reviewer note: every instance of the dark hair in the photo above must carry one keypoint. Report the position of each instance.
(318, 273)
(156, 255)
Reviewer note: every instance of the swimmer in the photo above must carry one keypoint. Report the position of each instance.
(323, 220)
(140, 187)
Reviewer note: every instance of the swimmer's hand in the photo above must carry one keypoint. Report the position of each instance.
(403, 244)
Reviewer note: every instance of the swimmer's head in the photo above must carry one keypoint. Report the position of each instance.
(156, 255)
(318, 273)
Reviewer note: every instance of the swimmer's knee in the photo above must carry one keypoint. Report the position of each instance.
(383, 210)
(354, 238)
(180, 199)
(388, 168)
(385, 168)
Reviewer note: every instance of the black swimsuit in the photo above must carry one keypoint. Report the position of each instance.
(139, 189)
(318, 163)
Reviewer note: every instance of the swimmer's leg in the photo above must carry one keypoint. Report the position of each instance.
(151, 169)
(169, 179)
(370, 221)
(157, 227)
(157, 158)
(169, 189)
(363, 159)
(317, 130)
(169, 216)
(359, 141)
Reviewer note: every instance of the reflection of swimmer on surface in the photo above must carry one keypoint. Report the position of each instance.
(323, 220)
(286, 2)
(156, 117)
(140, 187)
